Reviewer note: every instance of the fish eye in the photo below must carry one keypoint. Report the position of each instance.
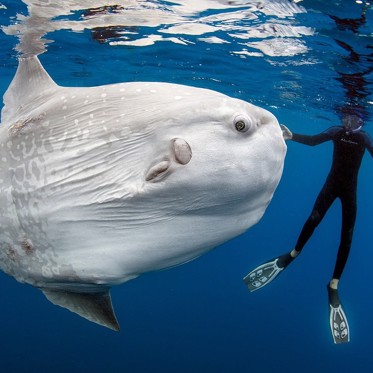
(242, 123)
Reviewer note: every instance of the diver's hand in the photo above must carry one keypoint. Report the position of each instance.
(286, 133)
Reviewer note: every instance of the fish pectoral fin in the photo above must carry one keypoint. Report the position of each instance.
(180, 153)
(95, 306)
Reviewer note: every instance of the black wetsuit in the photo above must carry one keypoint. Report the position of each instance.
(341, 183)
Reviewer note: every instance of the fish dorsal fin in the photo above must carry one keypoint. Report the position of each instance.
(95, 307)
(26, 91)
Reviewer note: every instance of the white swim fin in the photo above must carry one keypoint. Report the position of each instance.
(262, 275)
(267, 272)
(339, 325)
(337, 318)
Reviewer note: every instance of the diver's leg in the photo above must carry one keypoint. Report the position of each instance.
(348, 224)
(265, 273)
(338, 321)
(323, 202)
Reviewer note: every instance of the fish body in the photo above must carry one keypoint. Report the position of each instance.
(101, 184)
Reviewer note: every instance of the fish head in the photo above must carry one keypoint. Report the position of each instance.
(225, 156)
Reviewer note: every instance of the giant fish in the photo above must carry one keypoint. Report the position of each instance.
(101, 184)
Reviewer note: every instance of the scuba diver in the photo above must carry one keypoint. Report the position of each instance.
(350, 143)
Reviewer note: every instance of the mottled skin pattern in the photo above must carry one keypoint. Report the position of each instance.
(101, 184)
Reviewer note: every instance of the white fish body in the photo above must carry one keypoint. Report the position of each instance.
(101, 184)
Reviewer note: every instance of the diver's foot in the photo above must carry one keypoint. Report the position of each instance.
(267, 272)
(338, 321)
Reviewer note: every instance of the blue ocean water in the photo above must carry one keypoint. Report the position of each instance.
(307, 62)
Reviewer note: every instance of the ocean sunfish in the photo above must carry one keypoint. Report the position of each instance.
(101, 184)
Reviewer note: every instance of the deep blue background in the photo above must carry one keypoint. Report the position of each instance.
(200, 317)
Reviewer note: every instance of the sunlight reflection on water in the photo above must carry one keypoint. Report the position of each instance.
(260, 28)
